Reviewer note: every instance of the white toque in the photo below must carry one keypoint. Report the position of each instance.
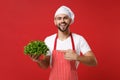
(65, 10)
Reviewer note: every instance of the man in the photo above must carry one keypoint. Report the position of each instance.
(65, 48)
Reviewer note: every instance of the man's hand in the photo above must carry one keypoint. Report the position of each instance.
(35, 58)
(88, 58)
(70, 55)
(42, 60)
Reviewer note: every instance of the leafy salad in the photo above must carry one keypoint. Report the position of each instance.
(36, 47)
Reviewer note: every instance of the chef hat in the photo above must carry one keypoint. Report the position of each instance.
(65, 10)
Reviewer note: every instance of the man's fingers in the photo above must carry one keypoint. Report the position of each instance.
(33, 56)
(36, 56)
(67, 55)
(68, 58)
(29, 55)
(64, 51)
(67, 51)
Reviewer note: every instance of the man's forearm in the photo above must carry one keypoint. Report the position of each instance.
(88, 60)
(43, 63)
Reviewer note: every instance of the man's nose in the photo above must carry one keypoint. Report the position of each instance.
(62, 20)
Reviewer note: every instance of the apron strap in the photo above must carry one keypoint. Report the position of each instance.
(73, 45)
(55, 42)
(72, 41)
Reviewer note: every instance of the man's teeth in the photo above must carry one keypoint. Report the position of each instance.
(63, 24)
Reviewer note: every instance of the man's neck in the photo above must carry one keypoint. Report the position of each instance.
(63, 35)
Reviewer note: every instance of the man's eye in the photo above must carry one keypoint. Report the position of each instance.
(65, 17)
(58, 18)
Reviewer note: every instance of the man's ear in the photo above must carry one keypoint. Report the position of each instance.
(70, 20)
(54, 21)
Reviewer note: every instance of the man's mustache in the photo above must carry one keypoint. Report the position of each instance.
(63, 23)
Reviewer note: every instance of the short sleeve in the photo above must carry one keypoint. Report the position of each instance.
(48, 52)
(84, 46)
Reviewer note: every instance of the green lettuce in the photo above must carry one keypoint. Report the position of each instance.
(36, 47)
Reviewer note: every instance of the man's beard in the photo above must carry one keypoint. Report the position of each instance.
(64, 28)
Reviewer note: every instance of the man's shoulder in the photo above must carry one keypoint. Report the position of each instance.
(75, 35)
(51, 37)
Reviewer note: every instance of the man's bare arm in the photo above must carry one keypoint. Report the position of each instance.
(43, 63)
(88, 58)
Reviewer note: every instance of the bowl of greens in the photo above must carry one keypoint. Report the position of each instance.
(36, 47)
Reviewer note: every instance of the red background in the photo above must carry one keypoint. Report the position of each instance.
(24, 20)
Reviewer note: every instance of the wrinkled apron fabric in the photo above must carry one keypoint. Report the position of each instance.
(62, 69)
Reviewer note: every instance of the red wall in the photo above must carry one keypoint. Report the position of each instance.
(24, 20)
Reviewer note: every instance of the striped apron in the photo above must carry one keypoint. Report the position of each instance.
(62, 69)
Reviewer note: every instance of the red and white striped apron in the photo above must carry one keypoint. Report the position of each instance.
(62, 69)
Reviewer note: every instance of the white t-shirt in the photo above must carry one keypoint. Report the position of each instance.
(81, 45)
